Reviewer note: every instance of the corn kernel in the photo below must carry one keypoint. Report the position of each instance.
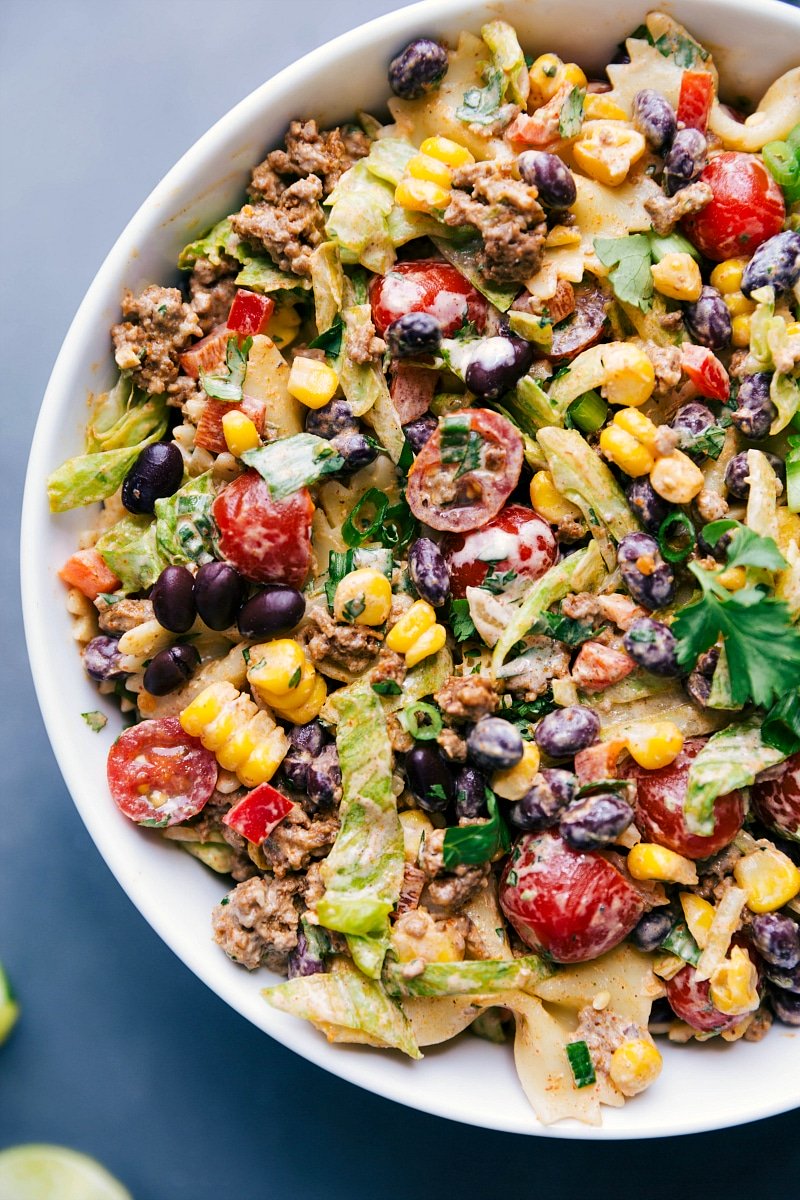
(308, 711)
(276, 667)
(733, 578)
(629, 375)
(733, 986)
(413, 623)
(239, 432)
(283, 325)
(740, 331)
(634, 1066)
(571, 73)
(737, 303)
(237, 748)
(727, 276)
(654, 744)
(415, 824)
(298, 696)
(264, 761)
(769, 877)
(677, 276)
(548, 501)
(206, 707)
(363, 597)
(598, 107)
(451, 153)
(515, 782)
(699, 916)
(421, 195)
(544, 76)
(648, 860)
(676, 478)
(429, 642)
(312, 382)
(606, 151)
(637, 425)
(623, 449)
(423, 166)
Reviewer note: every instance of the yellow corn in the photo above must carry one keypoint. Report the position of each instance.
(623, 449)
(515, 782)
(239, 432)
(415, 824)
(606, 151)
(733, 578)
(545, 77)
(548, 501)
(654, 744)
(793, 329)
(413, 623)
(429, 642)
(769, 877)
(421, 195)
(424, 166)
(312, 382)
(276, 667)
(286, 701)
(598, 107)
(451, 153)
(648, 860)
(677, 276)
(629, 375)
(733, 987)
(245, 739)
(634, 1066)
(206, 707)
(740, 331)
(676, 478)
(262, 763)
(637, 425)
(571, 73)
(363, 597)
(737, 303)
(310, 709)
(283, 325)
(727, 276)
(699, 915)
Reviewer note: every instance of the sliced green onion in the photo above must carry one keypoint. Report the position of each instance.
(398, 526)
(580, 1060)
(431, 727)
(588, 413)
(674, 548)
(793, 474)
(783, 163)
(680, 942)
(793, 140)
(356, 529)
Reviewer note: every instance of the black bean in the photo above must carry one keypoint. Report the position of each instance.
(776, 264)
(495, 744)
(684, 160)
(787, 978)
(652, 928)
(651, 509)
(173, 599)
(420, 431)
(551, 177)
(470, 793)
(654, 117)
(219, 591)
(274, 610)
(413, 334)
(564, 732)
(429, 779)
(170, 669)
(689, 422)
(708, 319)
(541, 807)
(718, 550)
(428, 572)
(698, 685)
(777, 939)
(737, 473)
(418, 69)
(101, 658)
(157, 472)
(596, 821)
(305, 959)
(786, 1006)
(652, 645)
(356, 450)
(324, 778)
(310, 737)
(497, 365)
(653, 586)
(755, 411)
(334, 417)
(295, 768)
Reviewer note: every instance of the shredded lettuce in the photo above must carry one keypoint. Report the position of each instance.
(383, 418)
(422, 680)
(465, 256)
(327, 279)
(793, 474)
(362, 383)
(467, 978)
(129, 549)
(184, 525)
(218, 241)
(288, 464)
(507, 54)
(360, 205)
(260, 274)
(729, 760)
(388, 158)
(533, 408)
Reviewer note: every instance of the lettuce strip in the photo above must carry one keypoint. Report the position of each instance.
(729, 760)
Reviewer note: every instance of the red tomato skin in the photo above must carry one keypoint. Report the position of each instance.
(659, 807)
(258, 813)
(705, 371)
(426, 286)
(268, 541)
(569, 905)
(250, 313)
(690, 1001)
(747, 207)
(695, 100)
(777, 800)
(159, 755)
(531, 549)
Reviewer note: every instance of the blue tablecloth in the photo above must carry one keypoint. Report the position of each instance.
(121, 1052)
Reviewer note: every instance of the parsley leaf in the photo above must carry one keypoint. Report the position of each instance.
(570, 117)
(709, 442)
(331, 340)
(781, 726)
(684, 50)
(387, 687)
(564, 629)
(497, 584)
(481, 105)
(525, 713)
(226, 384)
(749, 549)
(460, 621)
(476, 844)
(629, 260)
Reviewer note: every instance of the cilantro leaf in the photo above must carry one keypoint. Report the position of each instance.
(476, 844)
(570, 117)
(684, 50)
(709, 442)
(331, 340)
(460, 621)
(629, 261)
(749, 549)
(564, 629)
(481, 105)
(781, 726)
(497, 583)
(226, 384)
(525, 713)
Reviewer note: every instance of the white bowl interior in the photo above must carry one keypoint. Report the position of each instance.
(702, 1087)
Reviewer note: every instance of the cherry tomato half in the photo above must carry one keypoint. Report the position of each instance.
(426, 286)
(777, 799)
(518, 540)
(268, 541)
(705, 371)
(158, 775)
(573, 906)
(747, 207)
(466, 471)
(689, 999)
(659, 807)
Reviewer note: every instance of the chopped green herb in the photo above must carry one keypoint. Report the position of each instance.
(95, 720)
(680, 942)
(564, 629)
(295, 679)
(781, 726)
(246, 655)
(481, 105)
(387, 687)
(683, 49)
(460, 443)
(580, 1061)
(331, 340)
(525, 713)
(570, 117)
(437, 792)
(460, 620)
(709, 442)
(226, 384)
(497, 583)
(629, 261)
(476, 844)
(354, 608)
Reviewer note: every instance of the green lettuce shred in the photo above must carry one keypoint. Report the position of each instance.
(729, 760)
(465, 256)
(184, 526)
(327, 279)
(129, 549)
(291, 463)
(508, 57)
(467, 978)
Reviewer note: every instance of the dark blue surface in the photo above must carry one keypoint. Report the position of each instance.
(121, 1052)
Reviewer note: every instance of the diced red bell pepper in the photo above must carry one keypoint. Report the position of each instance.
(87, 572)
(695, 100)
(412, 390)
(705, 371)
(209, 434)
(598, 761)
(250, 313)
(208, 354)
(258, 813)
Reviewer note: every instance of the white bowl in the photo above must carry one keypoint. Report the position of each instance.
(703, 1086)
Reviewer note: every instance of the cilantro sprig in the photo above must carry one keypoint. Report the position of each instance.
(476, 844)
(226, 384)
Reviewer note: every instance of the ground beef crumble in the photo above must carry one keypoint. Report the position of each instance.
(212, 287)
(257, 924)
(492, 198)
(308, 152)
(666, 362)
(296, 842)
(448, 891)
(157, 326)
(289, 230)
(468, 697)
(120, 616)
(353, 647)
(666, 211)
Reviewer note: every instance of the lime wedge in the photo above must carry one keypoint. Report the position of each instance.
(55, 1173)
(9, 1009)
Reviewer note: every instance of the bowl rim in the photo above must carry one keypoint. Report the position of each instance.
(150, 213)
